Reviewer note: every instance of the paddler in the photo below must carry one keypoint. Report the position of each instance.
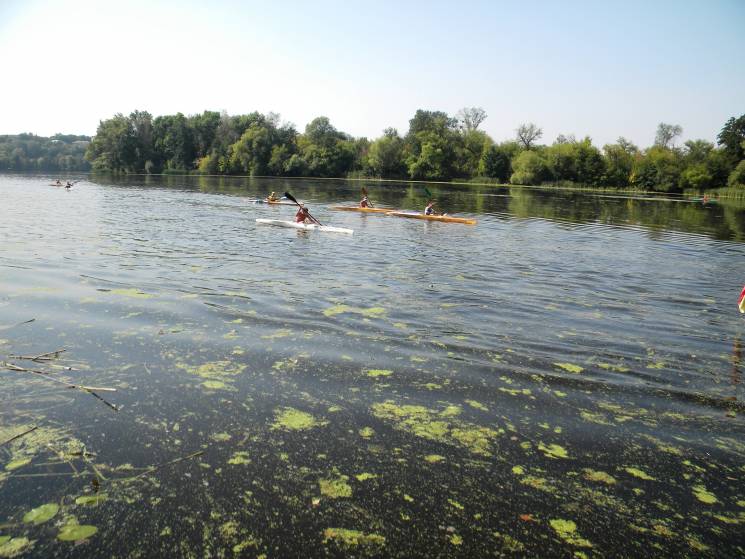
(302, 215)
(741, 301)
(430, 209)
(365, 203)
(273, 197)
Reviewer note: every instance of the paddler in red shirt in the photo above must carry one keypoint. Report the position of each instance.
(302, 215)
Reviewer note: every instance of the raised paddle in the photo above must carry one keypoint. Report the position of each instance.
(291, 197)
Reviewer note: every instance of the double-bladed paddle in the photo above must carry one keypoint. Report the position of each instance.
(291, 197)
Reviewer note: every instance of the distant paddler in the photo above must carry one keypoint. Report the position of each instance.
(430, 209)
(365, 203)
(272, 197)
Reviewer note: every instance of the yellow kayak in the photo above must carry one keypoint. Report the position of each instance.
(441, 218)
(363, 210)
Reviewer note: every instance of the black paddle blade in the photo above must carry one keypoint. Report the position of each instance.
(291, 197)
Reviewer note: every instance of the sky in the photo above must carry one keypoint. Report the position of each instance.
(599, 69)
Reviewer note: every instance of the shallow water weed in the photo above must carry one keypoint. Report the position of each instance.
(335, 488)
(13, 547)
(444, 426)
(41, 514)
(570, 367)
(567, 531)
(349, 538)
(372, 312)
(292, 419)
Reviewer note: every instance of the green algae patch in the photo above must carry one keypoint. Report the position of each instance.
(434, 458)
(279, 334)
(376, 373)
(292, 419)
(477, 405)
(13, 547)
(17, 463)
(508, 543)
(221, 437)
(132, 293)
(442, 427)
(90, 499)
(372, 312)
(455, 539)
(611, 367)
(335, 488)
(365, 476)
(239, 458)
(366, 432)
(570, 367)
(553, 450)
(216, 374)
(703, 495)
(76, 532)
(567, 531)
(41, 514)
(215, 385)
(518, 470)
(598, 476)
(641, 474)
(350, 538)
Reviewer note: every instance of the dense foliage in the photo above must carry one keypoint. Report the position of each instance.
(435, 147)
(27, 152)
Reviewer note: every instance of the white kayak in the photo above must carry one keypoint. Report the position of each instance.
(304, 226)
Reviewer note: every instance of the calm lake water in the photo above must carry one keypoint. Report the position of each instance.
(562, 379)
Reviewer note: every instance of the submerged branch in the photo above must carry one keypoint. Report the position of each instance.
(89, 389)
(10, 440)
(41, 357)
(171, 463)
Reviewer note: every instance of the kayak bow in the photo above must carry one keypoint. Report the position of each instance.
(304, 226)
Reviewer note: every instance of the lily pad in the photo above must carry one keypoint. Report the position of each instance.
(90, 499)
(12, 547)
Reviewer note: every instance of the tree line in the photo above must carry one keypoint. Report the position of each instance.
(60, 153)
(436, 146)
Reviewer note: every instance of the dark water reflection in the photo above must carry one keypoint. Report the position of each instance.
(561, 379)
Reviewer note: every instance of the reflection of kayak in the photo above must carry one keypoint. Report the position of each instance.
(304, 226)
(363, 210)
(442, 218)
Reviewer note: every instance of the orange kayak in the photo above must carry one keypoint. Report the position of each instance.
(441, 218)
(363, 210)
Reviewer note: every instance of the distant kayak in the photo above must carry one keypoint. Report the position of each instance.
(363, 210)
(304, 226)
(441, 218)
(275, 202)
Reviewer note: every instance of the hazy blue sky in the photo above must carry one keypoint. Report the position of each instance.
(598, 68)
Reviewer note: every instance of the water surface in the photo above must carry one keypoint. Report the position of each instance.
(563, 378)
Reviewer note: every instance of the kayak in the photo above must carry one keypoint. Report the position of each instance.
(304, 226)
(441, 218)
(363, 210)
(275, 203)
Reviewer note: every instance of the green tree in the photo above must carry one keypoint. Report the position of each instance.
(495, 163)
(658, 169)
(732, 137)
(737, 177)
(174, 143)
(529, 168)
(619, 161)
(475, 144)
(113, 147)
(385, 157)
